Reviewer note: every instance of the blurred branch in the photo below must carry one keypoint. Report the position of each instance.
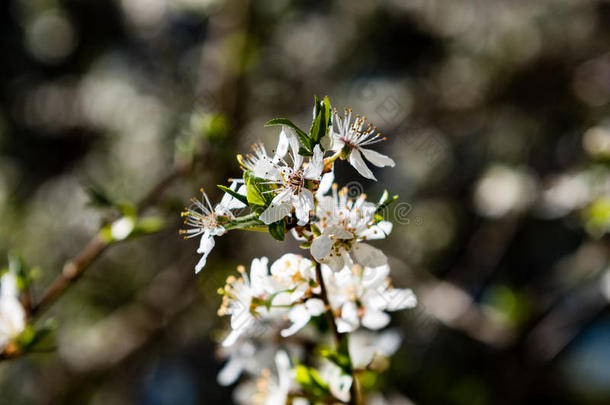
(74, 268)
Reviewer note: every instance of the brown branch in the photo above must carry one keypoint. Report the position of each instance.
(75, 267)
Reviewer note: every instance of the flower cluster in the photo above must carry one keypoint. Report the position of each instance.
(288, 313)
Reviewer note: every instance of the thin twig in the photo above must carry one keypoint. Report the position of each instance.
(75, 267)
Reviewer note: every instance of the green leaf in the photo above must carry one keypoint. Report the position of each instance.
(147, 226)
(234, 194)
(278, 230)
(248, 222)
(321, 121)
(385, 201)
(311, 382)
(254, 194)
(340, 360)
(305, 152)
(303, 137)
(316, 231)
(34, 339)
(316, 125)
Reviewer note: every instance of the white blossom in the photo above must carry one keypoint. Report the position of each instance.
(268, 296)
(274, 389)
(292, 191)
(345, 225)
(348, 137)
(339, 383)
(239, 295)
(204, 220)
(371, 350)
(361, 296)
(12, 313)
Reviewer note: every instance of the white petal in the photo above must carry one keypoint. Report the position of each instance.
(355, 159)
(281, 299)
(335, 261)
(336, 143)
(282, 363)
(265, 169)
(284, 196)
(388, 342)
(259, 275)
(8, 284)
(298, 161)
(399, 298)
(228, 202)
(206, 244)
(339, 232)
(377, 158)
(325, 183)
(230, 372)
(282, 143)
(340, 387)
(299, 316)
(313, 171)
(369, 256)
(274, 213)
(12, 318)
(201, 263)
(378, 231)
(232, 338)
(320, 247)
(349, 318)
(375, 276)
(315, 306)
(375, 319)
(302, 205)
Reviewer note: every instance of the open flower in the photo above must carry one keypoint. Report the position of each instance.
(244, 297)
(293, 274)
(292, 191)
(205, 221)
(361, 296)
(372, 350)
(345, 224)
(274, 389)
(12, 314)
(349, 139)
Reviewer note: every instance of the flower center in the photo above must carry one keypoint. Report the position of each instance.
(296, 181)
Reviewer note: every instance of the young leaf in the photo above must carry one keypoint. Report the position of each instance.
(321, 121)
(385, 201)
(249, 222)
(311, 382)
(316, 126)
(303, 137)
(278, 230)
(253, 191)
(340, 360)
(234, 194)
(305, 152)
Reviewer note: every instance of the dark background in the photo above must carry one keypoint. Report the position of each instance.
(496, 113)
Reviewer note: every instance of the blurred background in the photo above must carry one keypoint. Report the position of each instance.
(497, 113)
